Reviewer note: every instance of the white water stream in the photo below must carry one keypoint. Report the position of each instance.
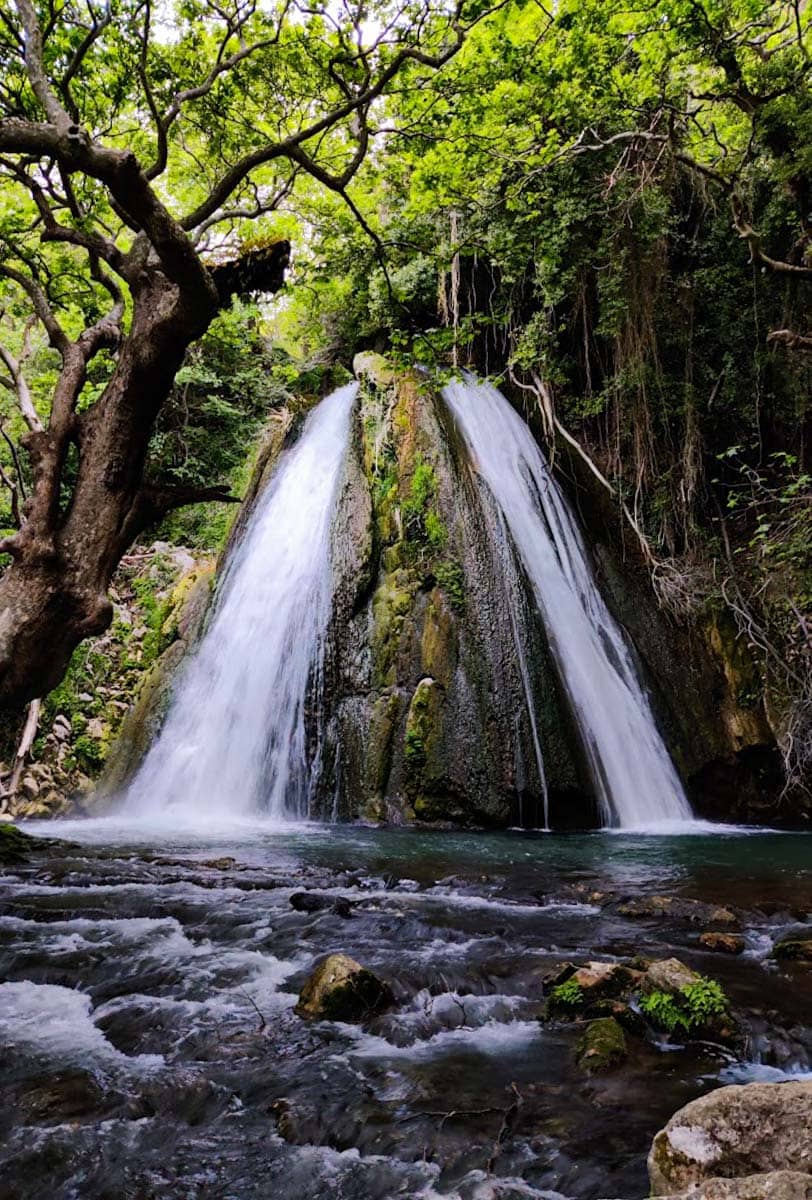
(234, 741)
(633, 774)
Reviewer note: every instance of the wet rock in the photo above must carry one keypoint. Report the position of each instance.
(65, 1096)
(14, 844)
(668, 975)
(772, 1185)
(724, 943)
(340, 989)
(796, 948)
(557, 975)
(598, 980)
(602, 1046)
(734, 1131)
(311, 902)
(679, 909)
(220, 864)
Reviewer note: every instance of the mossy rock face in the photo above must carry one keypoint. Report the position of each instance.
(340, 989)
(603, 1045)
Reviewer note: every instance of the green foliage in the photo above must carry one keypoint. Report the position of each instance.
(414, 749)
(693, 1007)
(451, 579)
(568, 994)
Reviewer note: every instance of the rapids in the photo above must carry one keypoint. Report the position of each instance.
(150, 1048)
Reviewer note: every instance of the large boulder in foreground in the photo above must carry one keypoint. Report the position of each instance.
(774, 1185)
(340, 989)
(736, 1131)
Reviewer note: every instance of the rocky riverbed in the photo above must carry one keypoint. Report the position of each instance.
(548, 1003)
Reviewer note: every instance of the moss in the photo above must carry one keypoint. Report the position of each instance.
(602, 1046)
(438, 646)
(391, 603)
(450, 576)
(14, 844)
(422, 727)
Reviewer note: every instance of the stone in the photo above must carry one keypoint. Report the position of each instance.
(668, 975)
(14, 844)
(61, 732)
(602, 1046)
(799, 949)
(772, 1185)
(724, 943)
(678, 908)
(602, 979)
(311, 902)
(29, 786)
(340, 989)
(734, 1131)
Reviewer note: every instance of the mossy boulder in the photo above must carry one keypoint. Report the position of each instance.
(15, 845)
(340, 989)
(732, 1132)
(797, 949)
(602, 1046)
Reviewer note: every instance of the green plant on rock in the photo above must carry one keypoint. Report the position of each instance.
(449, 575)
(568, 994)
(692, 1007)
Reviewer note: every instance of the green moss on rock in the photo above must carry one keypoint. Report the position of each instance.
(602, 1046)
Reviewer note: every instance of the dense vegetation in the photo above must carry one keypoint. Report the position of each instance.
(606, 203)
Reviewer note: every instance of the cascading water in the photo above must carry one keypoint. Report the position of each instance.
(234, 741)
(635, 779)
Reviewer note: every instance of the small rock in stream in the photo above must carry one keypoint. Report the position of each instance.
(311, 902)
(723, 943)
(798, 949)
(602, 1046)
(340, 989)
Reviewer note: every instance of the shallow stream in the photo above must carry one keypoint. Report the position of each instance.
(150, 1049)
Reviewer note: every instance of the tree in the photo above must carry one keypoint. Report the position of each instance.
(131, 156)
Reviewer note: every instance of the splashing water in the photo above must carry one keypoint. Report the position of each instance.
(234, 741)
(634, 777)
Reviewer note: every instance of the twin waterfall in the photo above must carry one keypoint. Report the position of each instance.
(236, 740)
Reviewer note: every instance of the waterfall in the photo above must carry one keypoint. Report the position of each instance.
(634, 777)
(234, 740)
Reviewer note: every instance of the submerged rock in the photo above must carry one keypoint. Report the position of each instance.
(340, 989)
(602, 1046)
(734, 1131)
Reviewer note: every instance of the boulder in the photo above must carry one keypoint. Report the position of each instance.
(723, 943)
(668, 975)
(340, 989)
(798, 948)
(734, 1131)
(602, 1046)
(678, 908)
(600, 979)
(772, 1185)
